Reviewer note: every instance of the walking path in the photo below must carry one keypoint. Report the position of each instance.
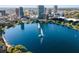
(8, 45)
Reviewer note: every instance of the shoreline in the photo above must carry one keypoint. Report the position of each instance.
(8, 45)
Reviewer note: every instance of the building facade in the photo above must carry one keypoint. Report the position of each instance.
(21, 12)
(3, 13)
(55, 9)
(41, 12)
(17, 12)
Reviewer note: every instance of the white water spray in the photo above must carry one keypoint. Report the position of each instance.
(41, 35)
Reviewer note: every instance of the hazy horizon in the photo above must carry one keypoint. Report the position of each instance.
(35, 6)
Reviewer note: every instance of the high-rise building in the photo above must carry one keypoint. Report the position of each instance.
(21, 12)
(3, 13)
(17, 12)
(56, 13)
(55, 9)
(41, 12)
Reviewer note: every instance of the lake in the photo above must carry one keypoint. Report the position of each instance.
(56, 39)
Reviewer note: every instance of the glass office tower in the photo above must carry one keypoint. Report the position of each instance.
(41, 12)
(21, 12)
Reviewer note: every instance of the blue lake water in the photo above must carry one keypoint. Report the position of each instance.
(56, 38)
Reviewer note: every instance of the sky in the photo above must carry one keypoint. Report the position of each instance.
(35, 6)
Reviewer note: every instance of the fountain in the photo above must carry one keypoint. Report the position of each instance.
(41, 35)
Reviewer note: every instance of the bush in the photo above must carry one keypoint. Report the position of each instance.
(2, 43)
(17, 49)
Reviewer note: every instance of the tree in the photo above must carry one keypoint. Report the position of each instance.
(21, 48)
(17, 49)
(10, 49)
(1, 43)
(77, 15)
